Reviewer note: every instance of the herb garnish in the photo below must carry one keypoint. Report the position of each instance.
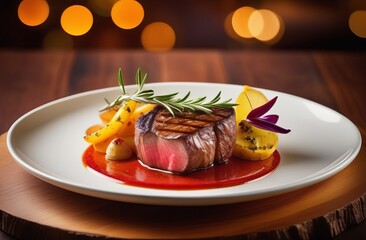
(169, 101)
(267, 122)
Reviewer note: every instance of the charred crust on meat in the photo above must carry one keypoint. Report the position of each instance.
(192, 140)
(145, 122)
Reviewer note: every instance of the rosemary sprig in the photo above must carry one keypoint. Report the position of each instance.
(169, 101)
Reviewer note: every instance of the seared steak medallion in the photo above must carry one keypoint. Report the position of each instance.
(187, 141)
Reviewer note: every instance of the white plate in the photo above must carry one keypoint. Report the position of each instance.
(48, 143)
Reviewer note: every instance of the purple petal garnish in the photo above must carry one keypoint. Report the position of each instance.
(272, 118)
(267, 122)
(261, 110)
(259, 123)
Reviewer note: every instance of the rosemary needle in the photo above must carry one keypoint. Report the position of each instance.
(169, 101)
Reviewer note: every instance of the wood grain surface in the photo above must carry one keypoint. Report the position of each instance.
(31, 207)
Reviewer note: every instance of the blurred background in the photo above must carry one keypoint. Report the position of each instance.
(162, 25)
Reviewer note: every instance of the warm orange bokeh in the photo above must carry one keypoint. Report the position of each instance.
(76, 20)
(127, 14)
(33, 12)
(264, 25)
(158, 36)
(357, 23)
(240, 20)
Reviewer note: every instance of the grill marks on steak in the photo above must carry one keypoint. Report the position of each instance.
(185, 123)
(185, 142)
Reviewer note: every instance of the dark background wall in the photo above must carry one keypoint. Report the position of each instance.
(309, 24)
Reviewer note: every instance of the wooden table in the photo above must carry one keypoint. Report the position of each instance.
(33, 209)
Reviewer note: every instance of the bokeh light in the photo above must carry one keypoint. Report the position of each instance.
(158, 36)
(228, 26)
(357, 23)
(101, 7)
(278, 34)
(248, 22)
(264, 25)
(76, 20)
(240, 20)
(127, 14)
(33, 12)
(57, 39)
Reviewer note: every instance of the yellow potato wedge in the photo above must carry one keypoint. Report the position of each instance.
(119, 122)
(252, 143)
(93, 128)
(248, 99)
(107, 115)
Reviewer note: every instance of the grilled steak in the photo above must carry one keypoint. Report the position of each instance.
(185, 142)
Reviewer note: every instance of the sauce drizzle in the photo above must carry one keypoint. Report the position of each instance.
(236, 171)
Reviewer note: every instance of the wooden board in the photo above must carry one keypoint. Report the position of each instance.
(30, 207)
(33, 209)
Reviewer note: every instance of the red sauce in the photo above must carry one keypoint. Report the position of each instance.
(236, 171)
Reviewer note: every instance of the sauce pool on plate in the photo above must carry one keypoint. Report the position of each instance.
(236, 171)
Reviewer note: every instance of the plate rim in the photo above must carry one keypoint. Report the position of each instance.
(181, 201)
